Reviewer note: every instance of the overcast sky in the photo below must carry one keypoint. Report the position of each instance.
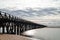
(21, 4)
(34, 4)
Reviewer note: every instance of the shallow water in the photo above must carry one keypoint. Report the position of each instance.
(44, 34)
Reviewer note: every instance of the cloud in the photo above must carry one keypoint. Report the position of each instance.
(46, 16)
(21, 4)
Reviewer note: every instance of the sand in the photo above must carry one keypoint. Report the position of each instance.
(12, 37)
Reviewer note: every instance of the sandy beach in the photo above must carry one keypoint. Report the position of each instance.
(12, 37)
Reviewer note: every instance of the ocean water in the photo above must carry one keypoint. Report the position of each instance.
(44, 34)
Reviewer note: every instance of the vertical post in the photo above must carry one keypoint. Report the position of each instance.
(7, 28)
(24, 27)
(3, 29)
(11, 28)
(21, 28)
(0, 12)
(17, 30)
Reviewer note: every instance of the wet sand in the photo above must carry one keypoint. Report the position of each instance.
(12, 37)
